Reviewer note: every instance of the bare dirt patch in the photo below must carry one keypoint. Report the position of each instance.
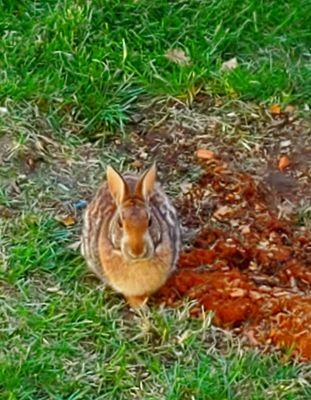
(246, 264)
(250, 259)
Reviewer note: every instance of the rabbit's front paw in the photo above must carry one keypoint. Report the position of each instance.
(137, 301)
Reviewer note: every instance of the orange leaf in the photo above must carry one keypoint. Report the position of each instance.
(275, 109)
(205, 154)
(68, 221)
(284, 162)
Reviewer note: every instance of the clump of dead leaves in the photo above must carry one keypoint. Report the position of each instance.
(246, 265)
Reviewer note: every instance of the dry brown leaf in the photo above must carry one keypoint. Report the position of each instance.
(275, 109)
(239, 292)
(137, 164)
(229, 65)
(218, 102)
(205, 154)
(31, 163)
(222, 212)
(255, 295)
(6, 212)
(289, 109)
(178, 56)
(284, 162)
(245, 229)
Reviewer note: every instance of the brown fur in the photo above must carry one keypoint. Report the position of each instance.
(131, 235)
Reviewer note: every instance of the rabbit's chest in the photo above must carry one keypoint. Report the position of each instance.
(139, 277)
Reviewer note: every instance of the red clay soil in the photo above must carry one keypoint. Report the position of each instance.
(246, 265)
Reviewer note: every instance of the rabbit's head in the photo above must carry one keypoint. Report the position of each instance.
(133, 229)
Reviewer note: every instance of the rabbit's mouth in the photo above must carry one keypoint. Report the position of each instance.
(139, 260)
(141, 257)
(146, 253)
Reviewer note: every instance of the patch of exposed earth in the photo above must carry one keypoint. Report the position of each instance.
(246, 215)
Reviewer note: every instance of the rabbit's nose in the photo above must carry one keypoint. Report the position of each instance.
(138, 254)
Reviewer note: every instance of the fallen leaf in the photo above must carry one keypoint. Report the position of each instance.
(289, 109)
(284, 162)
(6, 212)
(229, 65)
(205, 154)
(3, 110)
(245, 229)
(178, 56)
(230, 197)
(53, 289)
(275, 109)
(30, 162)
(239, 292)
(255, 295)
(282, 254)
(185, 186)
(68, 220)
(281, 294)
(137, 164)
(285, 143)
(218, 102)
(75, 245)
(222, 212)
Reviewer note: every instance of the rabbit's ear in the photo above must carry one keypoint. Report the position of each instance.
(145, 185)
(117, 185)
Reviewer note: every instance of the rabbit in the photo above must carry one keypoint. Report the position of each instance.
(131, 235)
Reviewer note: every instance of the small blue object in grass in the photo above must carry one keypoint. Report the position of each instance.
(80, 204)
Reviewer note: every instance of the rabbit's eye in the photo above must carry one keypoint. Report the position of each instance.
(120, 225)
(150, 222)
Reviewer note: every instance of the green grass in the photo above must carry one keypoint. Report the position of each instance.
(62, 337)
(94, 59)
(73, 66)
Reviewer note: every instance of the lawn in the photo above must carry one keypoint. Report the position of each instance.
(93, 59)
(77, 79)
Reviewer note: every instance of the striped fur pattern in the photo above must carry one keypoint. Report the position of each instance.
(131, 235)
